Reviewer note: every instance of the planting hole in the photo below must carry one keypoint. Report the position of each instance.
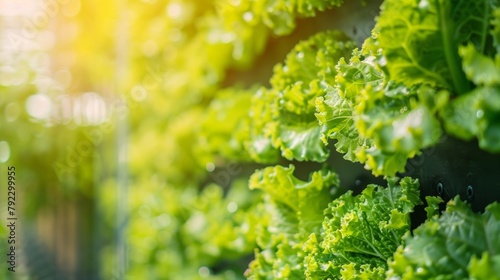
(470, 192)
(440, 188)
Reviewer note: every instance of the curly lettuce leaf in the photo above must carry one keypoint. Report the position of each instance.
(360, 233)
(297, 133)
(307, 199)
(420, 39)
(285, 113)
(310, 60)
(400, 121)
(397, 119)
(457, 245)
(302, 143)
(319, 265)
(278, 257)
(377, 122)
(292, 209)
(335, 111)
(335, 115)
(277, 15)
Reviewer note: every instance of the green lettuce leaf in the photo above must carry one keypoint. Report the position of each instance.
(225, 126)
(242, 28)
(277, 15)
(360, 233)
(459, 244)
(262, 126)
(284, 116)
(420, 39)
(397, 119)
(479, 68)
(336, 110)
(306, 199)
(400, 121)
(291, 210)
(375, 121)
(476, 114)
(485, 267)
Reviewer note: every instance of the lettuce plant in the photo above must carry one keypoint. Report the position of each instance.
(459, 244)
(428, 69)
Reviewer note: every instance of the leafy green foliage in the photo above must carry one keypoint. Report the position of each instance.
(284, 115)
(430, 65)
(420, 39)
(377, 121)
(476, 114)
(336, 109)
(225, 126)
(291, 210)
(485, 267)
(360, 233)
(262, 127)
(400, 121)
(456, 245)
(479, 68)
(423, 42)
(195, 230)
(277, 15)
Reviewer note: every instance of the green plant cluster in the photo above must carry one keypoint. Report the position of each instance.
(429, 68)
(222, 136)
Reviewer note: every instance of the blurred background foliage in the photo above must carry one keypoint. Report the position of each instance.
(120, 117)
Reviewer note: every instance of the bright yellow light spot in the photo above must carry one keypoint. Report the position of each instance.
(39, 106)
(4, 151)
(174, 10)
(93, 108)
